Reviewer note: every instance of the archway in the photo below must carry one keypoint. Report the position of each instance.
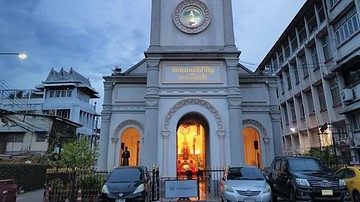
(130, 138)
(192, 141)
(252, 147)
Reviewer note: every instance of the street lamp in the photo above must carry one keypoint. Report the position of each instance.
(21, 56)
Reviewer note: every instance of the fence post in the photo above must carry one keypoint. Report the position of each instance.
(157, 183)
(153, 184)
(46, 194)
(78, 197)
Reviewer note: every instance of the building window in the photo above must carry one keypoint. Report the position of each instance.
(310, 102)
(287, 50)
(296, 73)
(288, 78)
(356, 120)
(293, 41)
(281, 57)
(302, 34)
(286, 116)
(65, 113)
(16, 137)
(347, 26)
(332, 3)
(335, 91)
(40, 138)
(304, 65)
(314, 57)
(321, 94)
(321, 11)
(312, 24)
(301, 106)
(282, 86)
(292, 108)
(352, 75)
(326, 47)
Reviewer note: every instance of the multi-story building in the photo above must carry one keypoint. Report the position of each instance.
(63, 94)
(317, 61)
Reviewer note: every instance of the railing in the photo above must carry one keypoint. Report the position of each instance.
(70, 185)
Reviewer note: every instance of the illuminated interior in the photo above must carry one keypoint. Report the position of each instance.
(252, 147)
(190, 147)
(130, 138)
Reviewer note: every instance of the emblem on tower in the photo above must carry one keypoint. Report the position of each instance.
(191, 16)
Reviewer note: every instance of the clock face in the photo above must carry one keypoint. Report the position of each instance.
(191, 16)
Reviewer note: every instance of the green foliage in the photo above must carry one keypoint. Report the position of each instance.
(91, 181)
(76, 154)
(327, 155)
(24, 174)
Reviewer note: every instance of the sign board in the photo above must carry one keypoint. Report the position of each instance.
(181, 188)
(197, 72)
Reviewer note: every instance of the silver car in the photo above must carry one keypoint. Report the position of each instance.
(244, 183)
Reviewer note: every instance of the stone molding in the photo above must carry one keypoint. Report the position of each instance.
(193, 101)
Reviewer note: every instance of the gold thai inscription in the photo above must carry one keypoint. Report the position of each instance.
(198, 73)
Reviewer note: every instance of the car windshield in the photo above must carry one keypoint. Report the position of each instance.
(304, 164)
(125, 175)
(244, 173)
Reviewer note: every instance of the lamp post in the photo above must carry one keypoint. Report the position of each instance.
(21, 56)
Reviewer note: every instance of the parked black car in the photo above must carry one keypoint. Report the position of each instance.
(127, 184)
(304, 178)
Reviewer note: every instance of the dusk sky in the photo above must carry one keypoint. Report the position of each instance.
(93, 36)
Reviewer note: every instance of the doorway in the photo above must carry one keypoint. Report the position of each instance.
(130, 138)
(252, 147)
(192, 143)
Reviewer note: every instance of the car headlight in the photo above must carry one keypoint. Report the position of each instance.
(228, 188)
(140, 188)
(302, 182)
(105, 190)
(267, 188)
(342, 183)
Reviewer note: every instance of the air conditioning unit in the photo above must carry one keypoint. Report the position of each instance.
(357, 91)
(346, 94)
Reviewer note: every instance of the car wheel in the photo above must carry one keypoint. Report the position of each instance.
(356, 196)
(292, 196)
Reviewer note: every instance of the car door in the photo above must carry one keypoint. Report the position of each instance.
(275, 176)
(348, 174)
(283, 177)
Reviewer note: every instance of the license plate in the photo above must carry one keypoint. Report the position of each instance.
(119, 200)
(249, 200)
(325, 192)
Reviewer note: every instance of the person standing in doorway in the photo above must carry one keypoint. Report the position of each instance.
(125, 157)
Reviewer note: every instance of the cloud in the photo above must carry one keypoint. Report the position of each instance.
(93, 36)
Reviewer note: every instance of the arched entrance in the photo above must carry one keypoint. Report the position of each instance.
(192, 142)
(252, 147)
(130, 138)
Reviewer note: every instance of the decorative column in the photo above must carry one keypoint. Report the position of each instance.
(114, 141)
(165, 151)
(105, 126)
(266, 140)
(149, 145)
(275, 115)
(155, 24)
(235, 119)
(228, 25)
(221, 136)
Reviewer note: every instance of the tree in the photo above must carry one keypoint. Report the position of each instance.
(76, 154)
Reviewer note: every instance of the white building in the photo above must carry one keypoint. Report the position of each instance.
(189, 104)
(317, 61)
(63, 94)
